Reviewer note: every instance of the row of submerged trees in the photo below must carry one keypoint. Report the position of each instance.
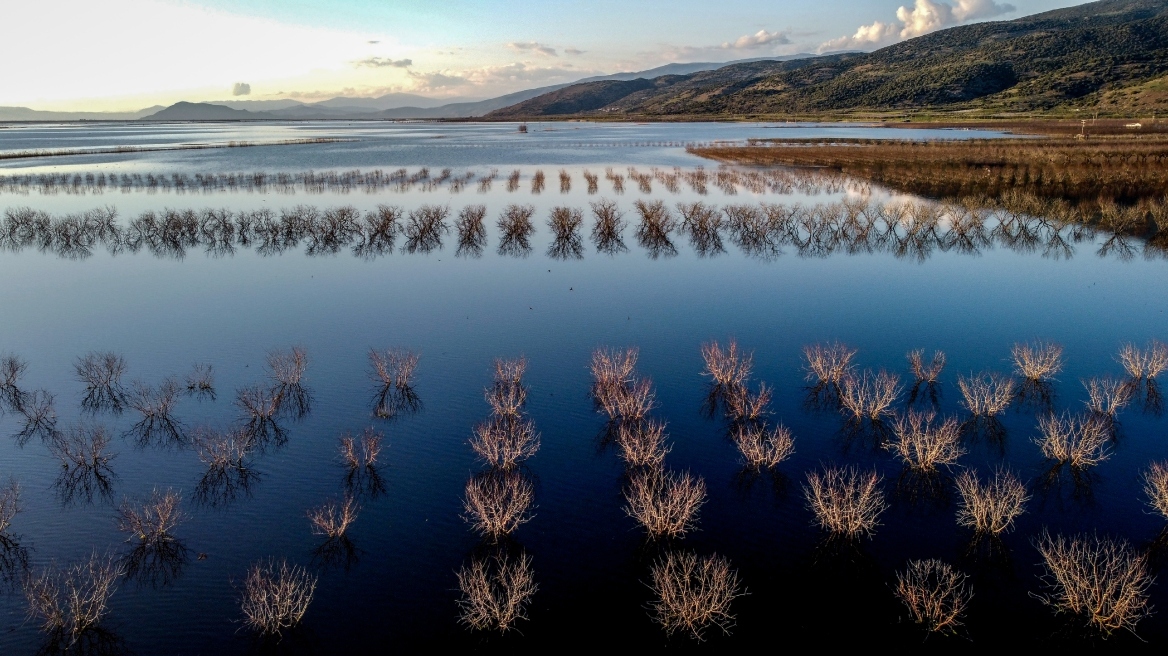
(914, 230)
(1100, 579)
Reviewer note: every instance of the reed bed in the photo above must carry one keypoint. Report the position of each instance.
(275, 597)
(924, 445)
(990, 508)
(665, 503)
(936, 595)
(693, 593)
(1079, 442)
(152, 522)
(926, 374)
(333, 518)
(72, 601)
(496, 592)
(986, 394)
(497, 502)
(1100, 580)
(847, 502)
(1146, 364)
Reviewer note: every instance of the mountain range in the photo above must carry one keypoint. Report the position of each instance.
(1111, 54)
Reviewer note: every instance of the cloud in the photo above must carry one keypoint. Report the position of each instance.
(384, 62)
(757, 40)
(241, 89)
(925, 16)
(502, 78)
(373, 42)
(573, 51)
(532, 46)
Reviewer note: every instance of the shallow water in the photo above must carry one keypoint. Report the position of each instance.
(166, 313)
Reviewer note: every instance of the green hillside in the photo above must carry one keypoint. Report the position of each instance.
(1092, 55)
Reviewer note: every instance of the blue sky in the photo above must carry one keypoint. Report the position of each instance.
(127, 54)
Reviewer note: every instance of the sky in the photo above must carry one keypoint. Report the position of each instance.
(124, 55)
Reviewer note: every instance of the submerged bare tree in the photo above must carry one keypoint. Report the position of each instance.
(1100, 580)
(156, 556)
(497, 502)
(642, 444)
(286, 369)
(495, 592)
(1079, 442)
(608, 231)
(567, 244)
(846, 501)
(990, 508)
(201, 382)
(85, 463)
(10, 505)
(924, 445)
(156, 405)
(869, 395)
(393, 371)
(703, 224)
(332, 518)
(763, 448)
(40, 417)
(728, 370)
(1106, 396)
(986, 394)
(1155, 487)
(102, 375)
(12, 368)
(72, 601)
(657, 222)
(472, 231)
(665, 503)
(225, 455)
(516, 227)
(612, 377)
(425, 228)
(260, 407)
(925, 375)
(935, 594)
(828, 364)
(693, 593)
(276, 596)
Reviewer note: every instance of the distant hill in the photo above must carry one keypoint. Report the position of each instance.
(26, 114)
(188, 111)
(1071, 57)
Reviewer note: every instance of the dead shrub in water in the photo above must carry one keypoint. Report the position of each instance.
(12, 368)
(513, 180)
(846, 501)
(742, 406)
(565, 223)
(703, 224)
(156, 405)
(393, 371)
(537, 182)
(276, 596)
(472, 230)
(1099, 579)
(656, 224)
(1039, 361)
(9, 506)
(728, 369)
(612, 374)
(692, 593)
(923, 445)
(869, 395)
(935, 594)
(102, 375)
(225, 456)
(85, 462)
(153, 521)
(1076, 441)
(665, 503)
(923, 373)
(565, 182)
(516, 227)
(828, 364)
(1155, 487)
(634, 401)
(608, 231)
(1146, 364)
(986, 394)
(260, 406)
(642, 444)
(1106, 396)
(497, 502)
(763, 448)
(201, 382)
(505, 441)
(495, 592)
(40, 417)
(425, 228)
(289, 394)
(617, 180)
(593, 181)
(332, 518)
(360, 453)
(74, 600)
(378, 231)
(507, 395)
(990, 508)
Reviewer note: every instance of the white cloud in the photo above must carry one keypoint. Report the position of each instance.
(506, 76)
(241, 89)
(532, 46)
(925, 16)
(573, 51)
(383, 62)
(757, 40)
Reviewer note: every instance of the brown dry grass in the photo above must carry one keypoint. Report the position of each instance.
(693, 593)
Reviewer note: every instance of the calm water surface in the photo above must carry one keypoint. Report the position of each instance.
(166, 313)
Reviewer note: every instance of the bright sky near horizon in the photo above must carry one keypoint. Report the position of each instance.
(123, 55)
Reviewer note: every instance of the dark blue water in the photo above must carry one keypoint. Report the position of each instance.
(591, 562)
